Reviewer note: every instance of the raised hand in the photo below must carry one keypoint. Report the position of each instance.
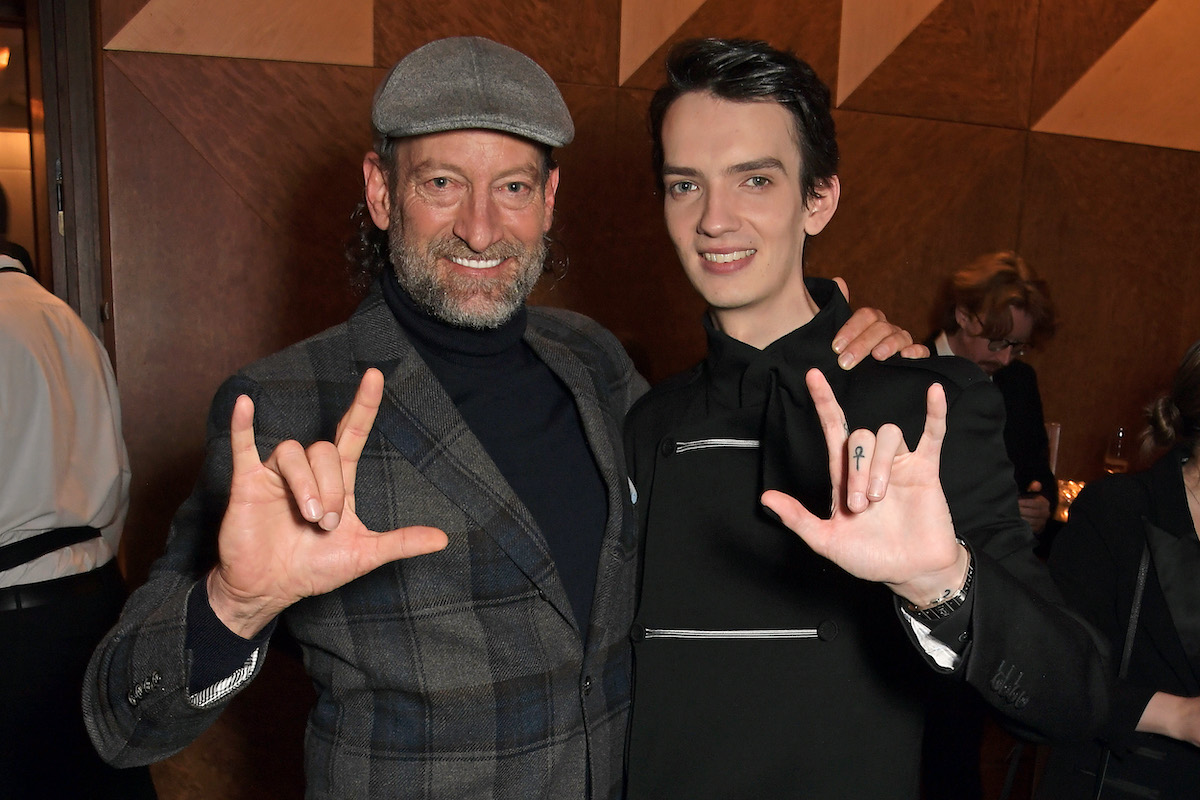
(903, 536)
(1034, 507)
(290, 530)
(868, 331)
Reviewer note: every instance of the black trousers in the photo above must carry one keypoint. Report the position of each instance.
(45, 752)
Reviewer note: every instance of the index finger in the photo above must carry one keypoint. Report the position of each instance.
(241, 436)
(355, 425)
(833, 425)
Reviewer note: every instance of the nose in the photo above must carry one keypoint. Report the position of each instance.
(717, 216)
(477, 222)
(1005, 356)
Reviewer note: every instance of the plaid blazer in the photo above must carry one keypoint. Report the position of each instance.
(460, 674)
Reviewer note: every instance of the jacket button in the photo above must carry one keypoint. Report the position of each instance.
(827, 631)
(587, 686)
(667, 447)
(638, 633)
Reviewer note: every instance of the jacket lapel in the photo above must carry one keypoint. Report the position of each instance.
(602, 431)
(1175, 551)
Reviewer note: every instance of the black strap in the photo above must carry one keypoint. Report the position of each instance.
(26, 550)
(1134, 612)
(13, 269)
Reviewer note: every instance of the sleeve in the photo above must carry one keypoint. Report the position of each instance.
(1034, 661)
(1025, 438)
(1089, 564)
(136, 701)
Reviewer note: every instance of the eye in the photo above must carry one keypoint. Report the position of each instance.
(680, 188)
(758, 181)
(438, 183)
(517, 187)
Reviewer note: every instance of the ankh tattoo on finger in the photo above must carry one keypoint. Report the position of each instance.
(858, 457)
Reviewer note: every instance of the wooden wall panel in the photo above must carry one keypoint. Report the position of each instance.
(574, 42)
(919, 199)
(1072, 35)
(811, 31)
(226, 236)
(114, 14)
(969, 61)
(1114, 229)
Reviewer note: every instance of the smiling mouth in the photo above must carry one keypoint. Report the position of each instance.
(476, 263)
(727, 258)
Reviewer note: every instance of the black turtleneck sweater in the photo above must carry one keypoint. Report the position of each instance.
(527, 421)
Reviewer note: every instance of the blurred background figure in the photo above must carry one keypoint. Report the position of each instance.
(1129, 561)
(64, 492)
(992, 312)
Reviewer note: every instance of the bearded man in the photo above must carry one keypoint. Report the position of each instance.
(498, 664)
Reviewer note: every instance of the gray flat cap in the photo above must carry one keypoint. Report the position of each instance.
(471, 82)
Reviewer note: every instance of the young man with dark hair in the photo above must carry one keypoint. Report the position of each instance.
(771, 664)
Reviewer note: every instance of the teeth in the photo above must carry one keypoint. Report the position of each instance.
(476, 263)
(725, 258)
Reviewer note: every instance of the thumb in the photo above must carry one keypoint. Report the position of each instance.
(417, 540)
(1036, 486)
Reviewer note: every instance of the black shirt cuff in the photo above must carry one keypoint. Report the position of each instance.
(216, 652)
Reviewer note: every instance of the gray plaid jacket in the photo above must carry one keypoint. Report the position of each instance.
(456, 675)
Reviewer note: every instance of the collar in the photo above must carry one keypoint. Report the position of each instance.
(742, 374)
(941, 345)
(430, 334)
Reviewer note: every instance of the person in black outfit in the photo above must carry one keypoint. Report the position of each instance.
(771, 664)
(991, 312)
(1115, 523)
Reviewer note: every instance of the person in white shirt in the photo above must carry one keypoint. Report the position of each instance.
(64, 493)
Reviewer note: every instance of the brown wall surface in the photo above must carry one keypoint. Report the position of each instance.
(230, 181)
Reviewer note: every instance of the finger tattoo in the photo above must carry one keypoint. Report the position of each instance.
(859, 455)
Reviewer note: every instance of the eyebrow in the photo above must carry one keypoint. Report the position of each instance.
(527, 170)
(756, 165)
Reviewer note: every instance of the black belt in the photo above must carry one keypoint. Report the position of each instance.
(26, 550)
(30, 595)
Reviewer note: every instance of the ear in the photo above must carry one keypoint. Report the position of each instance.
(379, 199)
(821, 208)
(551, 190)
(967, 321)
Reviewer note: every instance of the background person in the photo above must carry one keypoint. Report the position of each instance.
(1154, 728)
(991, 312)
(64, 493)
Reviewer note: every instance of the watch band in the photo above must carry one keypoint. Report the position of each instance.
(947, 606)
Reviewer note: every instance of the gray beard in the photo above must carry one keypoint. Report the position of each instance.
(449, 297)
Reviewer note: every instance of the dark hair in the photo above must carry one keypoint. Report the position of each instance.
(750, 71)
(1174, 418)
(367, 250)
(988, 287)
(16, 251)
